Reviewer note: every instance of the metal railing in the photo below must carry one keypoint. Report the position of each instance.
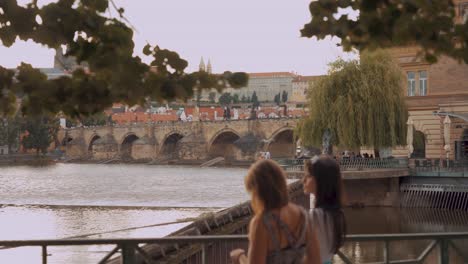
(440, 168)
(351, 164)
(444, 196)
(215, 249)
(453, 172)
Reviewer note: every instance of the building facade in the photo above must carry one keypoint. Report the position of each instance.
(265, 85)
(300, 86)
(437, 99)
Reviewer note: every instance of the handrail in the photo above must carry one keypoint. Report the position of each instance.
(211, 238)
(114, 241)
(351, 163)
(130, 250)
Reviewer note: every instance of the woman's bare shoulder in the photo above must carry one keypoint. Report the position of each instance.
(256, 220)
(257, 227)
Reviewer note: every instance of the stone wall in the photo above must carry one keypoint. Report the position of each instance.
(372, 192)
(143, 152)
(448, 73)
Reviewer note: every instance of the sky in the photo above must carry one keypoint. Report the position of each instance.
(241, 35)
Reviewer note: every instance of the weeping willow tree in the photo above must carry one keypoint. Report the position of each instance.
(359, 103)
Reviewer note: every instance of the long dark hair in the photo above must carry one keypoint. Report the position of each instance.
(329, 194)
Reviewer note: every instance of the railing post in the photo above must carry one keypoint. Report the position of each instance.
(386, 253)
(203, 254)
(128, 254)
(443, 252)
(44, 254)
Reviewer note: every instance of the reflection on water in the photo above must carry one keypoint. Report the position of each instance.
(395, 220)
(106, 201)
(122, 185)
(32, 222)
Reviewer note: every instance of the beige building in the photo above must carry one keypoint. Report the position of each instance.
(437, 98)
(300, 86)
(268, 84)
(265, 85)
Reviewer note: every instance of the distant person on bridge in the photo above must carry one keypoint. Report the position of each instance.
(323, 180)
(280, 231)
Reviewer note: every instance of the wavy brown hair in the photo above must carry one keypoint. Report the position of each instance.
(329, 194)
(266, 182)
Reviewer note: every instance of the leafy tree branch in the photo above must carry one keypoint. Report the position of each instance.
(106, 45)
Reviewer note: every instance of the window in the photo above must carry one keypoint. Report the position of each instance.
(422, 83)
(411, 84)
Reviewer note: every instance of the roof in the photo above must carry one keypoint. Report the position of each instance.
(53, 73)
(272, 74)
(307, 78)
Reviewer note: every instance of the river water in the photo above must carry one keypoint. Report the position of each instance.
(121, 200)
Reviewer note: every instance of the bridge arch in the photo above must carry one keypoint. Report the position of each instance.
(66, 140)
(127, 144)
(169, 144)
(222, 144)
(420, 126)
(90, 145)
(282, 143)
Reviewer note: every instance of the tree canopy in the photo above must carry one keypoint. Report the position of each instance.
(105, 45)
(284, 97)
(382, 24)
(10, 129)
(361, 103)
(254, 99)
(225, 99)
(277, 99)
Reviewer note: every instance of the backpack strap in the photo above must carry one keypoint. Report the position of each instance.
(267, 216)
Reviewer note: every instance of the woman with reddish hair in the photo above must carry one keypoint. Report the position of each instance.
(279, 231)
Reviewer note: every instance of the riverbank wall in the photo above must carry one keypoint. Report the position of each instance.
(26, 159)
(239, 164)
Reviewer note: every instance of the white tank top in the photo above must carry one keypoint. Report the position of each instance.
(323, 224)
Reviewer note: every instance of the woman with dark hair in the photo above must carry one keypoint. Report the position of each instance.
(279, 231)
(323, 180)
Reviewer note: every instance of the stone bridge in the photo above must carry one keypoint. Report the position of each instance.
(235, 140)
